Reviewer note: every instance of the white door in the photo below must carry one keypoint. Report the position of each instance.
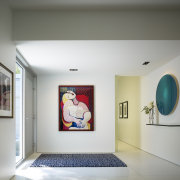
(29, 125)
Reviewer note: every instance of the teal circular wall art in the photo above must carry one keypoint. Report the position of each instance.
(166, 94)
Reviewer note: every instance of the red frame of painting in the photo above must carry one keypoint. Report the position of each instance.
(91, 107)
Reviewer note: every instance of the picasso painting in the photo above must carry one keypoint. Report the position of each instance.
(6, 92)
(76, 108)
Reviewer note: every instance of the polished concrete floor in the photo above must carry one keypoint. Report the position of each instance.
(141, 166)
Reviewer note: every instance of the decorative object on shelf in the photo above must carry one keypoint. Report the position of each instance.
(125, 109)
(6, 92)
(167, 125)
(150, 111)
(120, 110)
(76, 108)
(167, 94)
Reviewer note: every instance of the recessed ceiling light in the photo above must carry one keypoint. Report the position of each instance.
(73, 69)
(146, 63)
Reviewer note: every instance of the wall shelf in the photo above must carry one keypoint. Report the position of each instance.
(173, 125)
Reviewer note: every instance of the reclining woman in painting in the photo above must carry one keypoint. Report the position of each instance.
(75, 112)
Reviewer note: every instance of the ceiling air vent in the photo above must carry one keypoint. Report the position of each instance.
(73, 70)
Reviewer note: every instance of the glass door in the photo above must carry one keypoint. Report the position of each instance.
(19, 112)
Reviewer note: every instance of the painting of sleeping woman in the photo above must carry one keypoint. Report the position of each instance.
(76, 108)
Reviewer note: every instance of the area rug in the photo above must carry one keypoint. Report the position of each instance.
(78, 160)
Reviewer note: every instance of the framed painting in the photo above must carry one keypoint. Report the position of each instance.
(6, 92)
(120, 110)
(76, 108)
(125, 109)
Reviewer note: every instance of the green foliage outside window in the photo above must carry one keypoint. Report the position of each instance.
(18, 70)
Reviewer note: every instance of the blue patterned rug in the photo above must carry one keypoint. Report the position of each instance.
(78, 160)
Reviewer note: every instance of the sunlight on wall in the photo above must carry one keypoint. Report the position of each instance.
(128, 89)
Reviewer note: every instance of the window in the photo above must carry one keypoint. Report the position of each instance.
(19, 112)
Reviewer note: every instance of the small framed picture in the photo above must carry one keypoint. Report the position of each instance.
(6, 92)
(120, 110)
(125, 109)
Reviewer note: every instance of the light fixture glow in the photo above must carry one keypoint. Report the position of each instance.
(146, 63)
(73, 70)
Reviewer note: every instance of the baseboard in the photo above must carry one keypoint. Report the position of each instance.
(12, 177)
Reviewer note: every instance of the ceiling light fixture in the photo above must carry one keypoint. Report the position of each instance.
(146, 63)
(73, 69)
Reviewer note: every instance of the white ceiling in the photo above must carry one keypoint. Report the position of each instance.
(117, 57)
(72, 4)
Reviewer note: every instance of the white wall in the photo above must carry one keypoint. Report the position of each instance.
(128, 89)
(7, 126)
(96, 25)
(102, 139)
(161, 141)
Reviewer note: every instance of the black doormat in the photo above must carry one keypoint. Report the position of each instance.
(78, 160)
